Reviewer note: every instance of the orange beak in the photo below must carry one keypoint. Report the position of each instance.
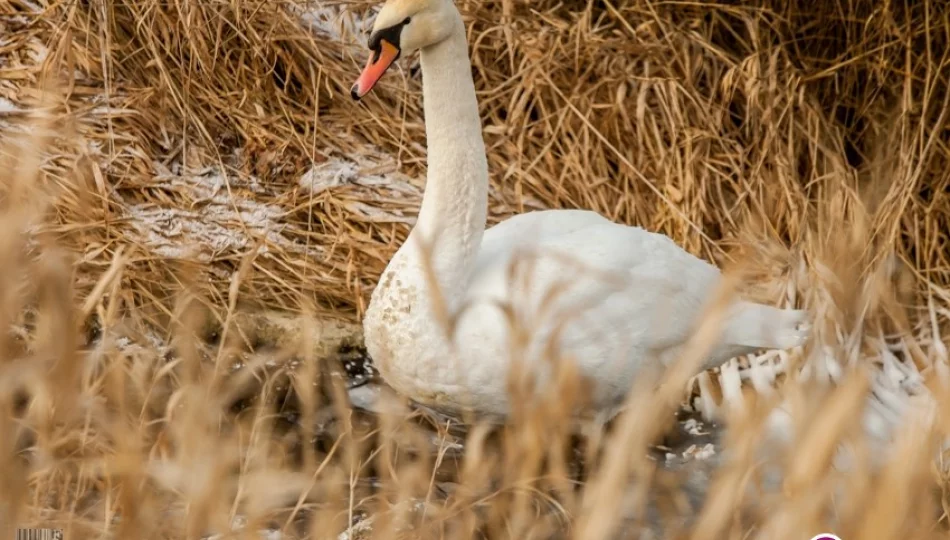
(378, 63)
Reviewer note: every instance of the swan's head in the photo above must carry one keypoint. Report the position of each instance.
(403, 26)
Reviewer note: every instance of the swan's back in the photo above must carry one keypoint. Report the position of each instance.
(613, 296)
(525, 230)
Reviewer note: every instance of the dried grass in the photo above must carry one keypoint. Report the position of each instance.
(156, 188)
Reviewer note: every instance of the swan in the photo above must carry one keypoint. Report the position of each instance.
(451, 268)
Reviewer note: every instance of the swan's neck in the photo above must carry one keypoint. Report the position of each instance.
(455, 203)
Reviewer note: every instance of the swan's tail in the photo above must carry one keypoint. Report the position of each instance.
(752, 327)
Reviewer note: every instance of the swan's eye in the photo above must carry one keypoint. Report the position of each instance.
(407, 20)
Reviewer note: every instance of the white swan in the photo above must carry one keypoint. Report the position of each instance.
(616, 332)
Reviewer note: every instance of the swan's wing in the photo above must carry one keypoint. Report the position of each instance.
(618, 280)
(529, 229)
(615, 298)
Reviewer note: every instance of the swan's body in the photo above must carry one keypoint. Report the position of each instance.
(634, 295)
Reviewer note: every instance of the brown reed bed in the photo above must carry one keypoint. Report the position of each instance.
(170, 167)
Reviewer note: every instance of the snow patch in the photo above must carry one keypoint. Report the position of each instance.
(700, 454)
(372, 170)
(332, 21)
(7, 106)
(329, 174)
(212, 221)
(694, 427)
(37, 51)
